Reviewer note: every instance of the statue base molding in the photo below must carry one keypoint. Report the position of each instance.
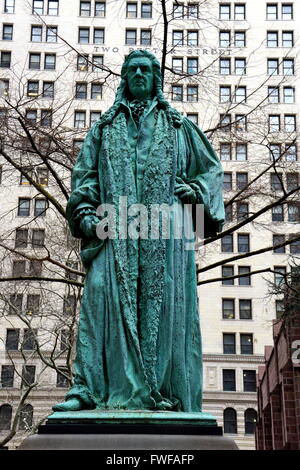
(129, 430)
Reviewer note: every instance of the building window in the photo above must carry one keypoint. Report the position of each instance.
(228, 213)
(177, 92)
(243, 243)
(279, 275)
(275, 151)
(130, 37)
(81, 90)
(273, 94)
(293, 212)
(69, 307)
(272, 39)
(100, 9)
(291, 152)
(51, 34)
(94, 117)
(277, 214)
(84, 35)
(50, 61)
(38, 7)
(5, 59)
(279, 309)
(177, 64)
(239, 39)
(289, 122)
(273, 66)
(227, 271)
(80, 119)
(9, 6)
(241, 180)
(287, 38)
(28, 376)
(224, 11)
(239, 11)
(146, 10)
(274, 123)
(240, 122)
(46, 118)
(193, 117)
(230, 421)
(33, 304)
(62, 380)
(192, 38)
(7, 32)
(98, 36)
(272, 11)
(12, 339)
(225, 152)
(287, 11)
(69, 274)
(193, 10)
(177, 38)
(40, 207)
(48, 89)
(288, 94)
(19, 268)
(229, 343)
(249, 379)
(82, 62)
(276, 181)
(277, 240)
(228, 311)
(64, 340)
(227, 181)
(240, 66)
(295, 247)
(26, 417)
(240, 94)
(250, 421)
(229, 380)
(225, 94)
(24, 207)
(244, 280)
(85, 9)
(52, 7)
(242, 210)
(227, 244)
(225, 122)
(38, 238)
(5, 417)
(35, 268)
(192, 65)
(131, 10)
(21, 239)
(241, 152)
(246, 343)
(178, 10)
(7, 377)
(224, 38)
(36, 34)
(292, 181)
(224, 67)
(288, 67)
(15, 304)
(146, 37)
(97, 63)
(96, 91)
(192, 93)
(29, 342)
(245, 309)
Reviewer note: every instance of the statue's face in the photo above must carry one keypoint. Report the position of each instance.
(140, 77)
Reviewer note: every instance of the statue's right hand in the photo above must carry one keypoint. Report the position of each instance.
(88, 225)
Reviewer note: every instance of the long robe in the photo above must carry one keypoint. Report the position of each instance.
(139, 342)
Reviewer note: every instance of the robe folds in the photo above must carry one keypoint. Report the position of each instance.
(139, 342)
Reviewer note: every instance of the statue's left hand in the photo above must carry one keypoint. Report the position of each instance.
(88, 225)
(185, 190)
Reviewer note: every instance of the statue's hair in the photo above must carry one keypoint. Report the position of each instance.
(123, 92)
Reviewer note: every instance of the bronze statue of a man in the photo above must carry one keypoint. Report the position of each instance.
(139, 344)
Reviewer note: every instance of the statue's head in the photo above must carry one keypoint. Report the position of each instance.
(141, 76)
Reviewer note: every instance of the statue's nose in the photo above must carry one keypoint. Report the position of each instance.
(138, 71)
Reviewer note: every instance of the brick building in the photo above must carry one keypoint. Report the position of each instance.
(278, 425)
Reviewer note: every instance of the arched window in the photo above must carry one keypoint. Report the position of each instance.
(250, 421)
(25, 419)
(230, 421)
(5, 417)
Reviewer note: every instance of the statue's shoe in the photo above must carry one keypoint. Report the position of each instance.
(73, 404)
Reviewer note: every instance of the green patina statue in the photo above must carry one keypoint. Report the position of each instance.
(139, 343)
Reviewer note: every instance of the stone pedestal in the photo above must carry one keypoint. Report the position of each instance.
(129, 430)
